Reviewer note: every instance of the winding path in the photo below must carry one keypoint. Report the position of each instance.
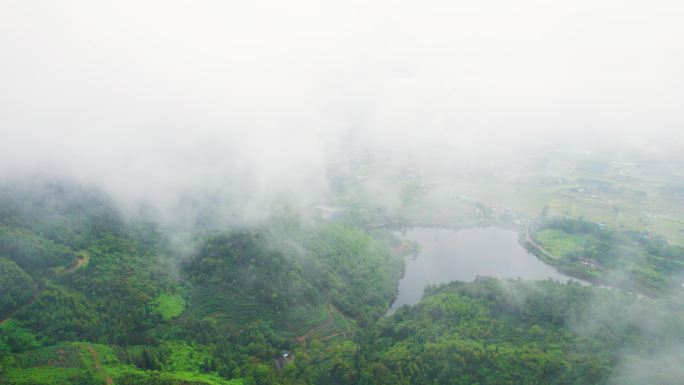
(531, 241)
(79, 262)
(16, 309)
(96, 363)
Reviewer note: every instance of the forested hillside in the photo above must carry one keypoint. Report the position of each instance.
(75, 273)
(89, 297)
(514, 332)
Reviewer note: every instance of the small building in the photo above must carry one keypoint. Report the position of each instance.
(285, 358)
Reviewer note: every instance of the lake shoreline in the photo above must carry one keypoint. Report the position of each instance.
(463, 254)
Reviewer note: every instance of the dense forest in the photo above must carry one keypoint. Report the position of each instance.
(91, 297)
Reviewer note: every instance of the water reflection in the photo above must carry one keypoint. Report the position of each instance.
(448, 255)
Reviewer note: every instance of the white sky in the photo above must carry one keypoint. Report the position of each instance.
(255, 96)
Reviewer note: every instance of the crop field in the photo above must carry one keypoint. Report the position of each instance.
(63, 356)
(323, 320)
(630, 202)
(65, 364)
(634, 195)
(302, 319)
(225, 307)
(41, 375)
(61, 363)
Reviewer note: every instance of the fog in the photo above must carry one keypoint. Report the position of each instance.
(156, 100)
(252, 105)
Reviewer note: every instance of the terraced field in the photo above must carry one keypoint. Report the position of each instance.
(302, 319)
(229, 308)
(63, 356)
(300, 322)
(325, 323)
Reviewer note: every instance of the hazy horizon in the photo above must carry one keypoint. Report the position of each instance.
(156, 99)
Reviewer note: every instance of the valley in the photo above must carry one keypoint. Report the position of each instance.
(92, 297)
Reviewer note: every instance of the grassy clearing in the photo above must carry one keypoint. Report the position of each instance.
(41, 376)
(558, 242)
(154, 377)
(186, 377)
(169, 305)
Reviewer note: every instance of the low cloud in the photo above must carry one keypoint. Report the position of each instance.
(250, 103)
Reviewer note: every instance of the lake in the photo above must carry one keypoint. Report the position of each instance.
(461, 255)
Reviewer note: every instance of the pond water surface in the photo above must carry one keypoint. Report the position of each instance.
(461, 255)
